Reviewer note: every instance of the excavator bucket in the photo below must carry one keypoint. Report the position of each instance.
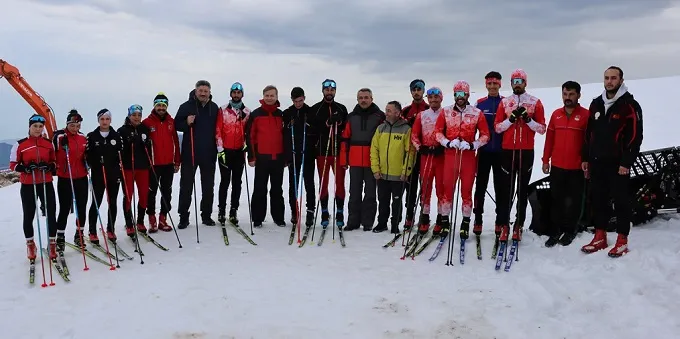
(654, 190)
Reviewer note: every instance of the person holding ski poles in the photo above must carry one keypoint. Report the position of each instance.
(299, 141)
(135, 162)
(230, 134)
(392, 160)
(165, 159)
(329, 118)
(101, 153)
(519, 117)
(455, 129)
(265, 153)
(69, 145)
(410, 113)
(33, 157)
(355, 153)
(431, 152)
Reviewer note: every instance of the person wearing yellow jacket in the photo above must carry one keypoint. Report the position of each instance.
(392, 159)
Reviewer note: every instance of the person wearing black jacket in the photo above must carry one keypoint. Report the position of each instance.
(329, 116)
(136, 157)
(197, 119)
(299, 142)
(102, 151)
(612, 143)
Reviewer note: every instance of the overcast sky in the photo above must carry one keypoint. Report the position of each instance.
(114, 53)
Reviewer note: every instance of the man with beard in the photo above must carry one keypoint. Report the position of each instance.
(299, 142)
(355, 152)
(612, 144)
(410, 112)
(328, 122)
(562, 160)
(519, 117)
(197, 119)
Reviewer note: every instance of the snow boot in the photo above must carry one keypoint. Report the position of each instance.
(309, 220)
(183, 222)
(31, 250)
(163, 223)
(153, 224)
(517, 231)
(424, 224)
(620, 248)
(380, 228)
(442, 227)
(61, 241)
(465, 228)
(599, 242)
(94, 238)
(53, 248)
(552, 241)
(567, 238)
(221, 216)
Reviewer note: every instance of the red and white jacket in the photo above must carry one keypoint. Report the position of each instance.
(32, 150)
(77, 143)
(502, 124)
(164, 139)
(423, 132)
(454, 123)
(230, 128)
(565, 138)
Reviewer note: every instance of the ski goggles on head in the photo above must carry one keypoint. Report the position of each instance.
(459, 94)
(418, 85)
(434, 91)
(237, 87)
(162, 102)
(135, 109)
(329, 83)
(517, 81)
(37, 118)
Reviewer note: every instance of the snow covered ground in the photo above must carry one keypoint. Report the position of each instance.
(273, 290)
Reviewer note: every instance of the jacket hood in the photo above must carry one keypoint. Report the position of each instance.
(373, 108)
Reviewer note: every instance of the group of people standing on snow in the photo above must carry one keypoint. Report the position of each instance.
(394, 157)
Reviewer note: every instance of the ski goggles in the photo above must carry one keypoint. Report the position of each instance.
(418, 85)
(329, 83)
(237, 87)
(37, 118)
(162, 102)
(434, 91)
(517, 81)
(459, 94)
(134, 109)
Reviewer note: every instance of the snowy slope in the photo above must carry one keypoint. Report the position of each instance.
(273, 290)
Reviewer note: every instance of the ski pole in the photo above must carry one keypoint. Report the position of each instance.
(250, 212)
(163, 197)
(193, 171)
(295, 178)
(456, 188)
(47, 224)
(512, 183)
(302, 173)
(321, 181)
(336, 151)
(428, 169)
(75, 207)
(37, 219)
(519, 190)
(126, 194)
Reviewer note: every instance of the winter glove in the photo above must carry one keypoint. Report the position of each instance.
(19, 168)
(455, 143)
(519, 112)
(334, 118)
(241, 115)
(222, 158)
(64, 142)
(43, 166)
(31, 167)
(464, 146)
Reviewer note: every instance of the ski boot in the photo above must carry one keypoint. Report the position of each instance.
(163, 223)
(129, 229)
(309, 220)
(221, 216)
(207, 220)
(465, 228)
(232, 216)
(408, 224)
(621, 246)
(31, 250)
(53, 248)
(424, 224)
(339, 218)
(140, 222)
(505, 233)
(77, 237)
(111, 235)
(94, 238)
(61, 241)
(442, 227)
(153, 225)
(517, 231)
(477, 229)
(599, 242)
(325, 217)
(395, 229)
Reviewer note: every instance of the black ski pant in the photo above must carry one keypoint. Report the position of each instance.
(28, 202)
(608, 184)
(362, 202)
(412, 190)
(231, 173)
(486, 162)
(163, 174)
(389, 196)
(267, 170)
(99, 186)
(186, 186)
(308, 177)
(81, 188)
(566, 191)
(516, 166)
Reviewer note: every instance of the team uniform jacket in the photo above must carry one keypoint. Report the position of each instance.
(391, 151)
(321, 112)
(230, 128)
(32, 151)
(265, 132)
(302, 131)
(358, 135)
(453, 123)
(423, 135)
(164, 139)
(76, 153)
(614, 133)
(411, 111)
(137, 148)
(104, 151)
(535, 110)
(564, 138)
(489, 106)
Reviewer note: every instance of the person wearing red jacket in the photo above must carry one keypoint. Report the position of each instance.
(456, 129)
(410, 112)
(165, 160)
(562, 160)
(231, 140)
(431, 154)
(265, 153)
(34, 158)
(72, 174)
(519, 117)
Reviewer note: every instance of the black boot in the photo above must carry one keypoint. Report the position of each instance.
(221, 216)
(380, 228)
(567, 238)
(61, 241)
(183, 221)
(552, 241)
(309, 221)
(324, 218)
(232, 216)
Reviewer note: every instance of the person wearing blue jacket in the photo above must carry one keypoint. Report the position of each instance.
(196, 119)
(489, 155)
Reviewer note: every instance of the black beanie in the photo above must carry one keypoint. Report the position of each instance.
(73, 117)
(103, 111)
(297, 92)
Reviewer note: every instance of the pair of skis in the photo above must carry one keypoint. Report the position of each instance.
(239, 230)
(478, 244)
(341, 235)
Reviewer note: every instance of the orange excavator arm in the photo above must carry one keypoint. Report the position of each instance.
(32, 97)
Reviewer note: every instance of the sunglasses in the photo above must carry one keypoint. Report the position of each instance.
(134, 109)
(434, 91)
(37, 118)
(327, 84)
(459, 94)
(237, 87)
(517, 81)
(162, 102)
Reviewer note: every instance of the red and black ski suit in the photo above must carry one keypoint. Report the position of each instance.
(136, 156)
(71, 170)
(424, 139)
(165, 159)
(462, 124)
(231, 139)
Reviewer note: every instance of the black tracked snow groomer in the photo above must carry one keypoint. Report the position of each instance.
(655, 190)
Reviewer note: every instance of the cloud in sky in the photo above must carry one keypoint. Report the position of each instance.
(107, 53)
